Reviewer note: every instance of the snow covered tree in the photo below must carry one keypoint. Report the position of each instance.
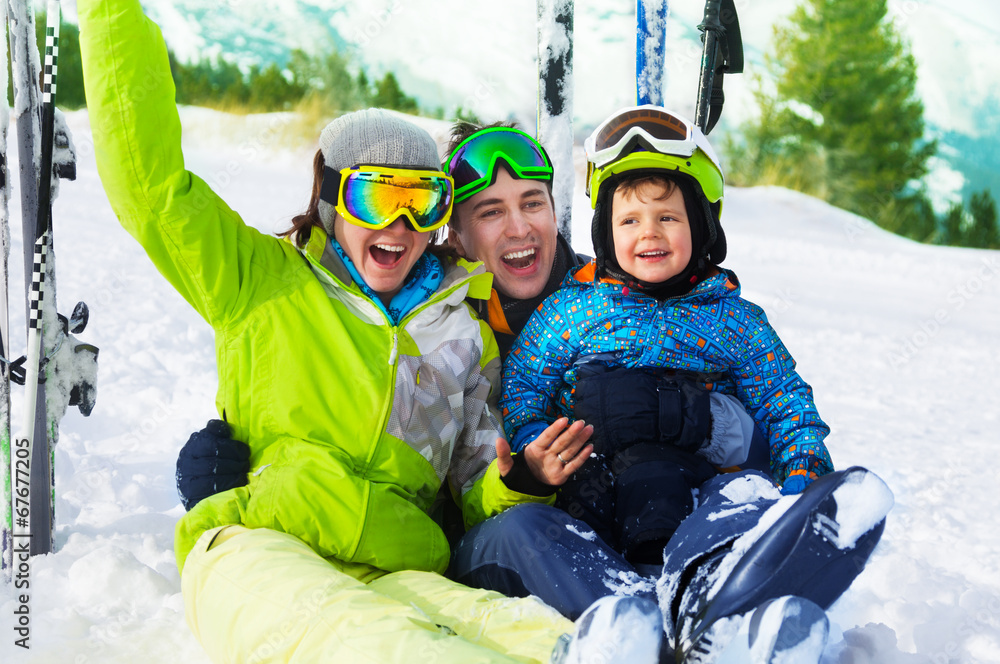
(845, 99)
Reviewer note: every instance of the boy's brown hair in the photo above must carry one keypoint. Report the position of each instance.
(631, 185)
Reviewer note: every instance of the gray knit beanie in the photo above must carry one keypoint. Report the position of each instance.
(373, 137)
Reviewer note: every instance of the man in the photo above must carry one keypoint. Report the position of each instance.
(504, 216)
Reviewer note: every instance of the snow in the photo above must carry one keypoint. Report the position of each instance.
(747, 489)
(897, 339)
(860, 506)
(588, 535)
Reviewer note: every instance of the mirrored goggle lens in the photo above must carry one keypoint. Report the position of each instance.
(657, 124)
(473, 164)
(376, 199)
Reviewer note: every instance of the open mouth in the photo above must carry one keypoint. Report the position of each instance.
(519, 260)
(653, 255)
(386, 255)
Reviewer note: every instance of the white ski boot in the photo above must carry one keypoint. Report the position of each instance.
(625, 630)
(788, 630)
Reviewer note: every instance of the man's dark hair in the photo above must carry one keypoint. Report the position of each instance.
(462, 129)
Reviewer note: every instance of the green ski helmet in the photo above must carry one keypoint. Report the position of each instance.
(649, 140)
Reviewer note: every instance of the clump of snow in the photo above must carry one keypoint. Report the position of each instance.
(723, 514)
(861, 505)
(748, 489)
(588, 535)
(620, 582)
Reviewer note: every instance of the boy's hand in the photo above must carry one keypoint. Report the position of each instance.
(555, 455)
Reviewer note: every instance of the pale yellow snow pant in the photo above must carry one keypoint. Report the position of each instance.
(254, 596)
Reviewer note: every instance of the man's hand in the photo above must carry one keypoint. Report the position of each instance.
(556, 454)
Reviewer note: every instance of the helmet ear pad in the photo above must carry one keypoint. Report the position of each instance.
(717, 249)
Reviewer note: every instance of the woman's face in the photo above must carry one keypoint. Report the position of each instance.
(383, 257)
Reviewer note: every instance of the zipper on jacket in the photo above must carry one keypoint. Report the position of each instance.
(394, 351)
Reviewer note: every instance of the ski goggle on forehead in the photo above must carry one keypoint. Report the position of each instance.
(474, 162)
(650, 127)
(374, 197)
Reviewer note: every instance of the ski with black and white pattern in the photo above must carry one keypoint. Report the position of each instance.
(555, 102)
(35, 141)
(7, 508)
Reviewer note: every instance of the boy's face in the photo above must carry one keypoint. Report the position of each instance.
(651, 232)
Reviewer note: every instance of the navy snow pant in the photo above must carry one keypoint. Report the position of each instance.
(540, 550)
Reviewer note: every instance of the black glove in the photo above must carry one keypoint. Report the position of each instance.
(637, 406)
(211, 462)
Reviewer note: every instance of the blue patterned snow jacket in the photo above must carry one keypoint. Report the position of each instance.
(710, 330)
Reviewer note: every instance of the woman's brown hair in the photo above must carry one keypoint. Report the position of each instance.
(303, 224)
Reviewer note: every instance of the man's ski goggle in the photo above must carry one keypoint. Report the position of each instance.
(375, 196)
(650, 127)
(474, 162)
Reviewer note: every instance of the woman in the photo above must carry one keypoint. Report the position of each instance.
(349, 362)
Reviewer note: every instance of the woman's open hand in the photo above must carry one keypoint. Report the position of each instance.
(556, 454)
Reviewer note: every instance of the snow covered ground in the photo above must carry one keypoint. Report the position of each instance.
(899, 341)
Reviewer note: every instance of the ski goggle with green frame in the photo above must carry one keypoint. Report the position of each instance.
(374, 197)
(473, 164)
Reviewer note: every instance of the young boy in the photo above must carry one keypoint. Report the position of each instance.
(636, 332)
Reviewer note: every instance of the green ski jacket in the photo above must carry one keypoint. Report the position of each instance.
(353, 422)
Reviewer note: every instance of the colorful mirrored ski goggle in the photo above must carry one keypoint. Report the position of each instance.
(474, 162)
(375, 196)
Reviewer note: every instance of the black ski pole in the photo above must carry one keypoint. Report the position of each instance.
(722, 53)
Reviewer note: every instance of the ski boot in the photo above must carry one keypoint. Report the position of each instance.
(787, 629)
(614, 629)
(813, 550)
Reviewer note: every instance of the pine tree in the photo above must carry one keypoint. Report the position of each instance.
(983, 232)
(846, 99)
(954, 226)
(388, 94)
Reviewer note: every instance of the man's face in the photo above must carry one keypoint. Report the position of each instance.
(510, 227)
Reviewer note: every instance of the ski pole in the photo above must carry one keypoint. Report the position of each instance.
(710, 27)
(722, 54)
